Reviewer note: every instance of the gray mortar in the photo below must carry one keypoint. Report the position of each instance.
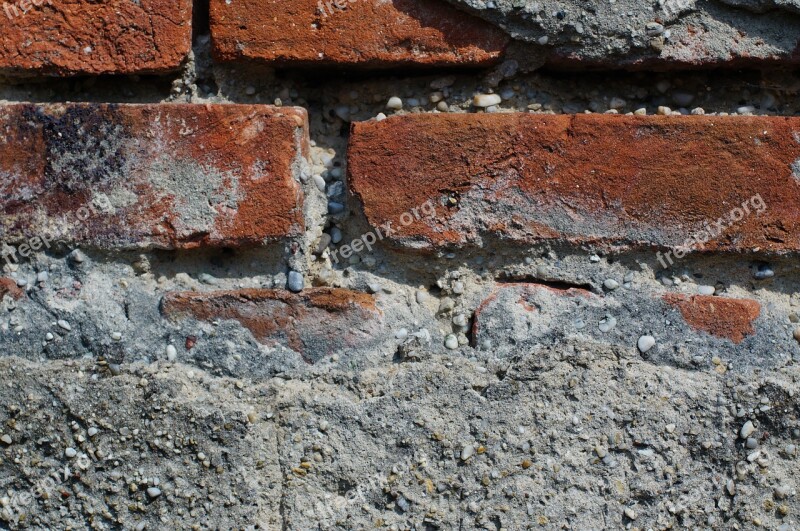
(564, 399)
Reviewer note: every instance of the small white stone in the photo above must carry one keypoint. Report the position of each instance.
(64, 325)
(451, 342)
(70, 452)
(172, 353)
(645, 343)
(611, 284)
(706, 290)
(116, 336)
(467, 452)
(380, 117)
(394, 103)
(6, 439)
(486, 100)
(154, 492)
(92, 431)
(543, 40)
(747, 430)
(630, 513)
(607, 324)
(664, 110)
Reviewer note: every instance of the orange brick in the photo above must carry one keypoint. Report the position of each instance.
(362, 32)
(69, 37)
(151, 176)
(314, 323)
(618, 182)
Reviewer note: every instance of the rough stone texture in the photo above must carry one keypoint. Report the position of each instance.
(607, 181)
(68, 37)
(316, 323)
(729, 33)
(721, 317)
(362, 33)
(144, 176)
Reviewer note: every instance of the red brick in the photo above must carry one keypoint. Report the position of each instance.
(151, 176)
(315, 323)
(364, 33)
(68, 37)
(719, 316)
(9, 287)
(610, 181)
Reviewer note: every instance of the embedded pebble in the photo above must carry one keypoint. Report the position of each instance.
(611, 284)
(747, 430)
(451, 342)
(336, 235)
(319, 182)
(763, 271)
(116, 336)
(70, 452)
(607, 324)
(706, 290)
(645, 343)
(76, 257)
(64, 325)
(394, 103)
(6, 439)
(486, 100)
(92, 431)
(153, 492)
(295, 282)
(172, 353)
(467, 452)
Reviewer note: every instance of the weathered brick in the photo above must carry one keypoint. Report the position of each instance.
(9, 287)
(315, 323)
(364, 33)
(618, 182)
(67, 37)
(150, 176)
(515, 313)
(719, 316)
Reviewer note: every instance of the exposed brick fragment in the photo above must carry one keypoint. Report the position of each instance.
(315, 323)
(150, 176)
(67, 37)
(618, 182)
(363, 33)
(9, 287)
(514, 313)
(719, 316)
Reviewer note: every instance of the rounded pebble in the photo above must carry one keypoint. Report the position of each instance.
(645, 343)
(451, 342)
(394, 103)
(295, 282)
(486, 100)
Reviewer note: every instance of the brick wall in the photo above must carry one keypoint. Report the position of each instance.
(326, 191)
